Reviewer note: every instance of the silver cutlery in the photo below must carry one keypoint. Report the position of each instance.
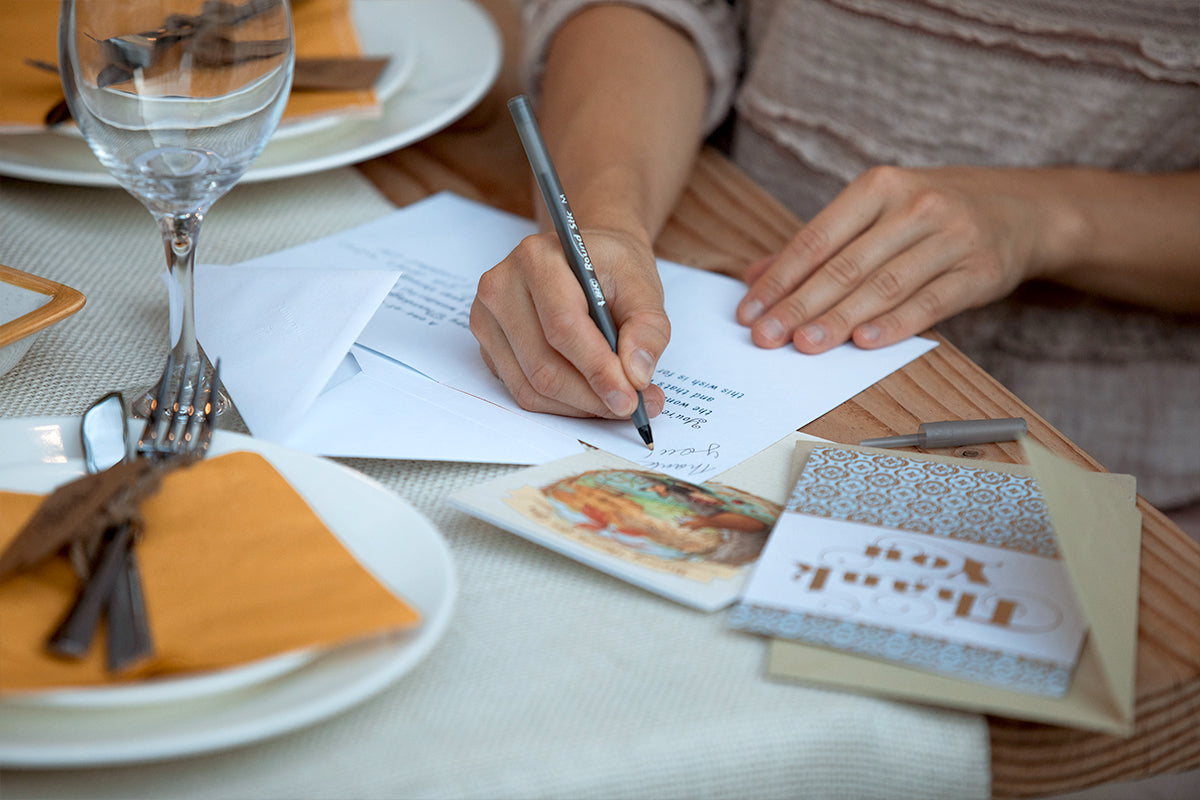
(177, 432)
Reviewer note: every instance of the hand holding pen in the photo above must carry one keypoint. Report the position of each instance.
(571, 239)
(535, 333)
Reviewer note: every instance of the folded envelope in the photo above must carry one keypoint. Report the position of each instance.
(236, 567)
(308, 387)
(324, 29)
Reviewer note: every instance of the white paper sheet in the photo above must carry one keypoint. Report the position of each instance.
(726, 398)
(387, 410)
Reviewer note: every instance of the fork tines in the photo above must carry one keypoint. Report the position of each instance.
(181, 422)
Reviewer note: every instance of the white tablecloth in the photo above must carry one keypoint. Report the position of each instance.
(552, 681)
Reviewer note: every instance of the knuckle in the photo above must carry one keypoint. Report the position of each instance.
(544, 381)
(794, 308)
(526, 396)
(845, 269)
(532, 248)
(771, 286)
(560, 330)
(885, 178)
(930, 305)
(663, 326)
(475, 321)
(930, 204)
(989, 268)
(836, 320)
(888, 286)
(488, 361)
(489, 287)
(810, 244)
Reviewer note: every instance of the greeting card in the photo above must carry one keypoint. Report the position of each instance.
(945, 567)
(689, 541)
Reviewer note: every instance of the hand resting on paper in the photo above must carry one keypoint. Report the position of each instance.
(899, 250)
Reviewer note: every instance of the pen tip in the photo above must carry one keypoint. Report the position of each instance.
(644, 432)
(650, 446)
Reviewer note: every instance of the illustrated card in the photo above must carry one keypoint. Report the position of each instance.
(691, 542)
(939, 566)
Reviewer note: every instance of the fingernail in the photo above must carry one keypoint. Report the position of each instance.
(753, 310)
(643, 366)
(868, 332)
(772, 329)
(815, 334)
(619, 404)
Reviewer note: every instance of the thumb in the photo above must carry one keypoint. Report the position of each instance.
(642, 337)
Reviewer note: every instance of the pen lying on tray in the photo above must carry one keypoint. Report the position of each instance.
(955, 433)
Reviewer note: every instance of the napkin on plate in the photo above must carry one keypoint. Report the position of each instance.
(236, 567)
(324, 29)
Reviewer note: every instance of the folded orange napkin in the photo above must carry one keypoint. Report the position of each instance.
(28, 30)
(236, 567)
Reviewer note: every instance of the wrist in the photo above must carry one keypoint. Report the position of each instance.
(611, 199)
(1068, 233)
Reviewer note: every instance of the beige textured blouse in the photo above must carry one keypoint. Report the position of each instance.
(816, 91)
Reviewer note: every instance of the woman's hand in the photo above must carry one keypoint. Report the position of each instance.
(899, 250)
(531, 319)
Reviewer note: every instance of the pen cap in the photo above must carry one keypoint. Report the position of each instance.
(955, 433)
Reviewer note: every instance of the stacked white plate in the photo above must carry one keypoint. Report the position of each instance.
(444, 56)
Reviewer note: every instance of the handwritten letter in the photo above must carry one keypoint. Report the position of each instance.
(726, 398)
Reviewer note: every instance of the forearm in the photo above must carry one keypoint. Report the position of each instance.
(1127, 236)
(622, 108)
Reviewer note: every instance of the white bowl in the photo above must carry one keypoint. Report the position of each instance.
(28, 304)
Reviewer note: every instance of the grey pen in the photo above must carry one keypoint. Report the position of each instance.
(569, 236)
(955, 433)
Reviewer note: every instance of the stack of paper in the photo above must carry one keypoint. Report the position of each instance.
(321, 352)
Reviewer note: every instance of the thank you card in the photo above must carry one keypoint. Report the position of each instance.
(938, 566)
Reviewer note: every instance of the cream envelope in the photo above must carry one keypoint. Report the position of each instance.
(1098, 528)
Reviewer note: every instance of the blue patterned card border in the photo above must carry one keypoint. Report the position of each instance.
(970, 504)
(963, 661)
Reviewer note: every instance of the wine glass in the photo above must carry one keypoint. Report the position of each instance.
(176, 98)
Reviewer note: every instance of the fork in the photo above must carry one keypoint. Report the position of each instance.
(177, 432)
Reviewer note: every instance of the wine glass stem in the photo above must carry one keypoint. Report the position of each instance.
(180, 232)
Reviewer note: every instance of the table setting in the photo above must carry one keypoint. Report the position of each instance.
(545, 669)
(326, 622)
(480, 695)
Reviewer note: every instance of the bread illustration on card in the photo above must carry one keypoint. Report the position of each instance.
(692, 542)
(657, 515)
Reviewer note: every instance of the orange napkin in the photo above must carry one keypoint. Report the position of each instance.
(236, 567)
(28, 29)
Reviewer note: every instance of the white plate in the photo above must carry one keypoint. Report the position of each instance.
(386, 534)
(167, 690)
(456, 53)
(382, 31)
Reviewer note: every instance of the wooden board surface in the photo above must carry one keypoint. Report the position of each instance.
(725, 221)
